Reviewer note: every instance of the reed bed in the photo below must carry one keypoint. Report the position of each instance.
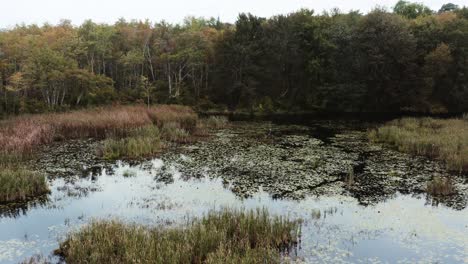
(443, 139)
(227, 236)
(22, 135)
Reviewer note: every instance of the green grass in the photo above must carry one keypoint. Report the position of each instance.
(443, 139)
(227, 236)
(19, 184)
(141, 142)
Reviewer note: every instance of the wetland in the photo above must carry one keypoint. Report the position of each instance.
(357, 201)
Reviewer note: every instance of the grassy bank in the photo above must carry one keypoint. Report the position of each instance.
(219, 237)
(443, 139)
(19, 184)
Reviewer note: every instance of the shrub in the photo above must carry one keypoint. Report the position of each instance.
(227, 236)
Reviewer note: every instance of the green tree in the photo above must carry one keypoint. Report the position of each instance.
(411, 10)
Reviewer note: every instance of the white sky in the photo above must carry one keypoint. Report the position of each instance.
(39, 11)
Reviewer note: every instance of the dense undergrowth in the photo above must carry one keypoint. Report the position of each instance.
(444, 139)
(227, 236)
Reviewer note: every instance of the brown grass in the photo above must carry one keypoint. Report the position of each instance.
(444, 139)
(22, 135)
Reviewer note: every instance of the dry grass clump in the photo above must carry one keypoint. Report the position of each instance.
(440, 186)
(219, 237)
(19, 184)
(444, 139)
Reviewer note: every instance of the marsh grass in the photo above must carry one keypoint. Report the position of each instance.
(216, 122)
(19, 184)
(227, 236)
(440, 186)
(444, 139)
(175, 133)
(140, 142)
(23, 134)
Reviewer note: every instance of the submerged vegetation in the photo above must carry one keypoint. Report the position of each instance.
(227, 236)
(444, 139)
(19, 184)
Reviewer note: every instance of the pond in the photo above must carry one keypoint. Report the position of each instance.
(359, 202)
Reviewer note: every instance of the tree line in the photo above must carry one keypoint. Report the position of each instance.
(409, 59)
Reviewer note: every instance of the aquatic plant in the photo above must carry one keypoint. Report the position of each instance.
(444, 139)
(440, 186)
(20, 184)
(227, 236)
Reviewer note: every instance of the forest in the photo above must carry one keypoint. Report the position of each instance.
(408, 59)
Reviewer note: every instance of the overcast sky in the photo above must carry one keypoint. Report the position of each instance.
(52, 11)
